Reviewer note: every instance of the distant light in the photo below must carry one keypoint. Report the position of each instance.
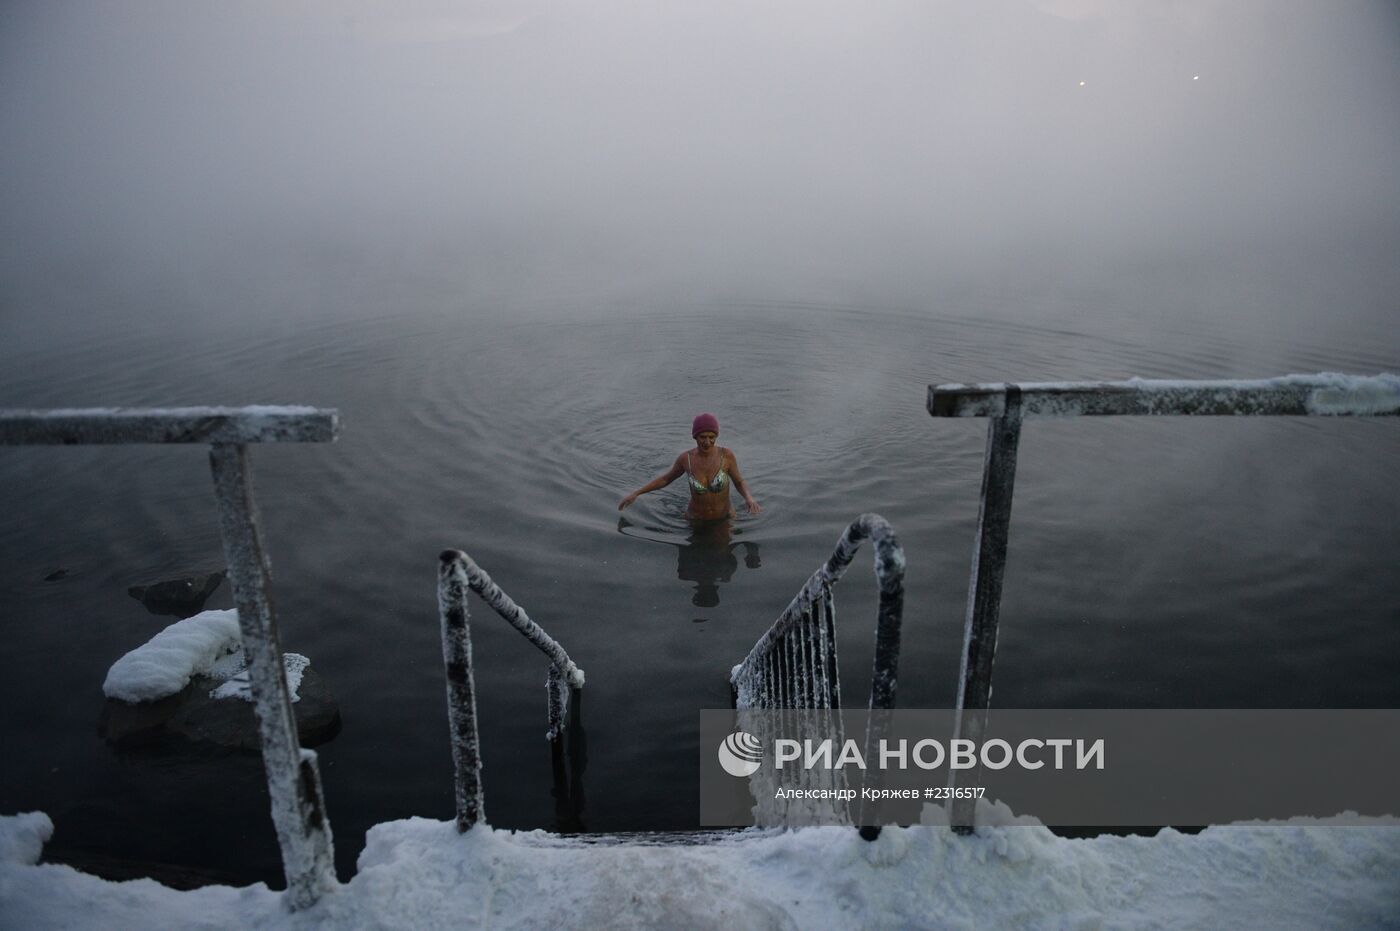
(1196, 77)
(1081, 83)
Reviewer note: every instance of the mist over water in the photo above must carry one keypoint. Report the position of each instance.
(543, 151)
(520, 246)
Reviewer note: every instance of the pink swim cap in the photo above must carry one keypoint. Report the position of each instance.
(705, 423)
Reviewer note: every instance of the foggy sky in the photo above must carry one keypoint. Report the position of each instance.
(718, 136)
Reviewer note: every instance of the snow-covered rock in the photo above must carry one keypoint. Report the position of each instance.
(163, 665)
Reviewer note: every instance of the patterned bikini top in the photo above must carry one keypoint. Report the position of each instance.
(719, 483)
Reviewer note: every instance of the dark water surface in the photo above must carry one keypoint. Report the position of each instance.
(1153, 562)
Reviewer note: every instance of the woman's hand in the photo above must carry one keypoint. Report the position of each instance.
(752, 505)
(661, 481)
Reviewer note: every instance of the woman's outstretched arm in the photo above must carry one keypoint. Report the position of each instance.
(661, 481)
(739, 485)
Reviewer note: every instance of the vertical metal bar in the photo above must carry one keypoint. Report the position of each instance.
(293, 781)
(557, 691)
(984, 587)
(764, 672)
(559, 787)
(794, 683)
(770, 675)
(770, 663)
(885, 676)
(800, 664)
(789, 699)
(804, 661)
(578, 754)
(461, 690)
(783, 694)
(777, 655)
(831, 640)
(800, 660)
(823, 683)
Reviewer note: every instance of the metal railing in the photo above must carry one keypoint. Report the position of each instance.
(793, 665)
(1007, 405)
(457, 574)
(293, 778)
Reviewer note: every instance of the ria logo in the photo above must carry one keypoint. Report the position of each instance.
(740, 754)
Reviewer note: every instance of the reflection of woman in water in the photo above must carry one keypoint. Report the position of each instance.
(708, 560)
(710, 468)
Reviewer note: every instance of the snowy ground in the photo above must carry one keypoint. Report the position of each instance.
(423, 874)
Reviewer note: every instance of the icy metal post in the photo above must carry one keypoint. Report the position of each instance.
(889, 570)
(294, 784)
(984, 588)
(1327, 394)
(564, 677)
(457, 574)
(461, 690)
(557, 691)
(293, 781)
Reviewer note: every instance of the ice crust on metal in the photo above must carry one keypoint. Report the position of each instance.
(793, 665)
(501, 603)
(1327, 394)
(104, 425)
(293, 779)
(461, 692)
(458, 573)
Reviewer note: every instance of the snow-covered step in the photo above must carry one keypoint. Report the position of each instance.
(645, 838)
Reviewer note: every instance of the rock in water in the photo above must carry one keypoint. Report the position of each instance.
(178, 597)
(228, 723)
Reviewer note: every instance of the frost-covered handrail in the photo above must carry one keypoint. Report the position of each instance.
(793, 665)
(1327, 394)
(457, 573)
(101, 425)
(293, 777)
(501, 603)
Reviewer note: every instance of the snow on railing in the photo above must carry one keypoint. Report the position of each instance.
(793, 665)
(98, 425)
(1327, 395)
(456, 574)
(293, 778)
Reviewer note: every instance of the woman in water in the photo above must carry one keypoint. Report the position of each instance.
(710, 468)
